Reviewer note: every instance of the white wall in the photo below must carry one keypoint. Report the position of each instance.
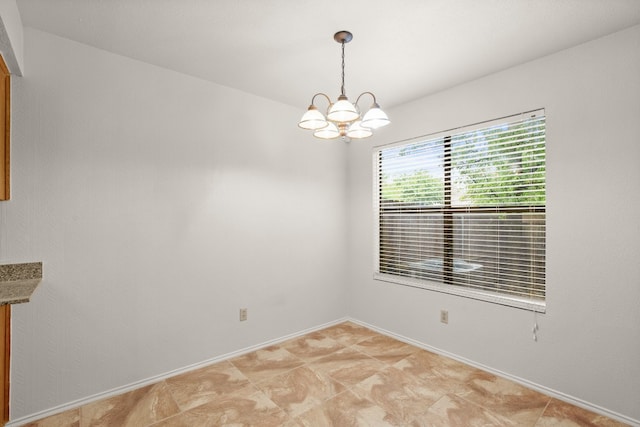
(589, 340)
(11, 36)
(159, 204)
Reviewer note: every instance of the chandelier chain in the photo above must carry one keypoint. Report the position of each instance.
(342, 87)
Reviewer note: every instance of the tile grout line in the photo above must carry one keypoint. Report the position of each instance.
(173, 398)
(543, 411)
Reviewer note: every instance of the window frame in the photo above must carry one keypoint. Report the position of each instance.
(537, 305)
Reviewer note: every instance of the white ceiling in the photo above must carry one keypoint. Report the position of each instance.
(284, 49)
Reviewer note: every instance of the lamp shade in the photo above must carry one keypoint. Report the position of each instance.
(375, 118)
(343, 111)
(313, 119)
(356, 131)
(328, 132)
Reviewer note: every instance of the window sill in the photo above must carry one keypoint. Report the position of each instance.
(496, 298)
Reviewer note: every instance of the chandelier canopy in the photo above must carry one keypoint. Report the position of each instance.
(343, 119)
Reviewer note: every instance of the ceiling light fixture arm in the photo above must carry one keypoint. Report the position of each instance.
(365, 93)
(313, 99)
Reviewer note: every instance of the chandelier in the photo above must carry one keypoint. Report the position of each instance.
(343, 119)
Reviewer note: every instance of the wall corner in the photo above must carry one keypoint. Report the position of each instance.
(11, 37)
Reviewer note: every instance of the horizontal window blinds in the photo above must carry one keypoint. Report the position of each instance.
(467, 209)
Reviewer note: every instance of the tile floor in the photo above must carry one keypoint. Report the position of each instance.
(345, 375)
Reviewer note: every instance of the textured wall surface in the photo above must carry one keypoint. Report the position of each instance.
(159, 205)
(589, 339)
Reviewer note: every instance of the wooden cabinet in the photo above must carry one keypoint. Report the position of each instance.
(5, 121)
(5, 310)
(5, 347)
(17, 283)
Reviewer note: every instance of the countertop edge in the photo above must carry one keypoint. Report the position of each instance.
(18, 282)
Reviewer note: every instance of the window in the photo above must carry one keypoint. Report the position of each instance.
(463, 212)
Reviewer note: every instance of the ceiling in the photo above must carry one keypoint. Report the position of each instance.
(284, 49)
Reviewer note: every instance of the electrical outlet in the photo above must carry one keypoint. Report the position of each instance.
(243, 314)
(444, 316)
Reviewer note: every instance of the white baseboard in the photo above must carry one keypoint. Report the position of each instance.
(540, 388)
(152, 380)
(135, 385)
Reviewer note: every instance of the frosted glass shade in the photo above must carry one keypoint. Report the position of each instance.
(328, 132)
(343, 111)
(312, 119)
(356, 131)
(375, 118)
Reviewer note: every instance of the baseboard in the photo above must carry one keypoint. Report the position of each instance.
(537, 387)
(135, 385)
(152, 380)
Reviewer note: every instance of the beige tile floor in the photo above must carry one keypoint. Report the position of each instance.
(345, 375)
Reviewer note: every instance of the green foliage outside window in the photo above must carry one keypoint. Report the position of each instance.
(418, 187)
(499, 166)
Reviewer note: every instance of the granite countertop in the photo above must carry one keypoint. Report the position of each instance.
(18, 281)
